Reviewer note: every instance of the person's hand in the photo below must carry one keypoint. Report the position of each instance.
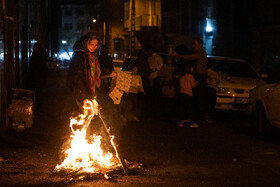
(175, 55)
(113, 74)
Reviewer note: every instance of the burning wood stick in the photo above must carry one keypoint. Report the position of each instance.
(113, 144)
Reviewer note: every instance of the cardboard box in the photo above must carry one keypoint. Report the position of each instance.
(21, 110)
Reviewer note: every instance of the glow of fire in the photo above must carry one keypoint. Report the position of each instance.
(85, 153)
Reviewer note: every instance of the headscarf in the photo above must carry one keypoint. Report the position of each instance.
(91, 67)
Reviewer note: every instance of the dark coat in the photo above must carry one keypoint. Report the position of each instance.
(78, 73)
(37, 70)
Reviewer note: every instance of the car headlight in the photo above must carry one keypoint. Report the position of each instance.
(223, 90)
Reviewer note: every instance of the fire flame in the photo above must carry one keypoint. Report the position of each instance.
(85, 153)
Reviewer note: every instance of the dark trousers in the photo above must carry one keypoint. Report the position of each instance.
(186, 107)
(211, 100)
(200, 97)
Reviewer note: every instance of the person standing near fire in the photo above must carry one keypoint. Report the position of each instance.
(84, 71)
(200, 58)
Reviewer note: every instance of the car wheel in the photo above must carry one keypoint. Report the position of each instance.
(263, 123)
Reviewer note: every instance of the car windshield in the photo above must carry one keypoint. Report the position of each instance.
(234, 68)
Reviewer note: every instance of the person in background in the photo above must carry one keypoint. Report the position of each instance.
(37, 67)
(107, 71)
(106, 66)
(168, 87)
(143, 67)
(155, 62)
(213, 80)
(37, 72)
(144, 71)
(130, 104)
(84, 71)
(180, 63)
(200, 58)
(187, 83)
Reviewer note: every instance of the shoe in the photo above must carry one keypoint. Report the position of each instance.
(194, 125)
(180, 123)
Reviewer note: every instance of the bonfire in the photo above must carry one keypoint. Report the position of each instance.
(85, 154)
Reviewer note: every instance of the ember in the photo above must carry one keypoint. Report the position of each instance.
(85, 153)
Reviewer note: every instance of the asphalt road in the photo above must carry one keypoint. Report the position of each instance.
(225, 153)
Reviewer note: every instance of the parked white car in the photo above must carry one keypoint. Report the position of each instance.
(237, 79)
(265, 100)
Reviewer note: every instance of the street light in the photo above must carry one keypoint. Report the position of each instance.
(209, 27)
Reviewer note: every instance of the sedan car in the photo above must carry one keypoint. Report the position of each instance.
(266, 101)
(237, 79)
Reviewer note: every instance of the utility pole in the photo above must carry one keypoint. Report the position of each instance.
(132, 29)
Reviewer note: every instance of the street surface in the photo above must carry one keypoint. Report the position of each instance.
(225, 153)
